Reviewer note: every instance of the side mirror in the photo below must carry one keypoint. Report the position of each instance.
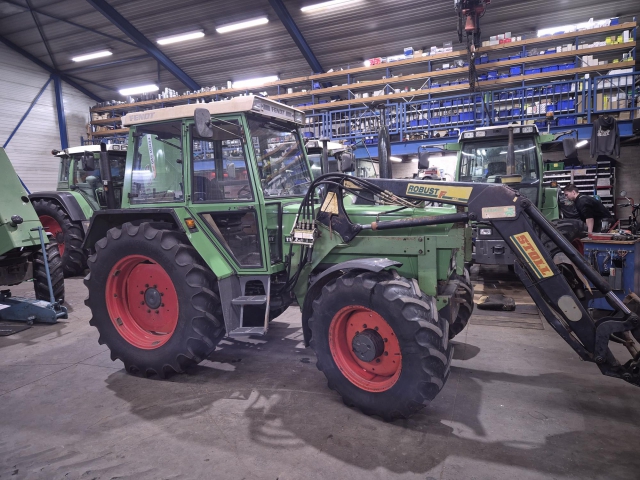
(88, 163)
(231, 170)
(347, 163)
(423, 160)
(569, 147)
(623, 193)
(202, 119)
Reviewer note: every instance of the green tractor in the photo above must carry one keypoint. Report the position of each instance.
(484, 156)
(25, 253)
(222, 227)
(66, 212)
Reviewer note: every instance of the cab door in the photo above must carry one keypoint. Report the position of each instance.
(222, 196)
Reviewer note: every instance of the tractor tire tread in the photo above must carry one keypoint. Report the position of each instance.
(202, 330)
(40, 283)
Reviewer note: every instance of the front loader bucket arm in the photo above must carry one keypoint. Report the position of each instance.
(518, 221)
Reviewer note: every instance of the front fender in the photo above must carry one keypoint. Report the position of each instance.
(320, 280)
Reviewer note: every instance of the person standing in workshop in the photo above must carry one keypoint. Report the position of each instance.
(591, 210)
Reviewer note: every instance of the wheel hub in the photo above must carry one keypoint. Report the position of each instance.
(368, 345)
(152, 298)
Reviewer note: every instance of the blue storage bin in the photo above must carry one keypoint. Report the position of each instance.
(550, 108)
(447, 103)
(455, 82)
(550, 50)
(413, 123)
(435, 104)
(541, 124)
(466, 116)
(504, 75)
(503, 96)
(503, 59)
(455, 118)
(550, 68)
(529, 92)
(484, 58)
(457, 102)
(308, 134)
(492, 61)
(516, 111)
(503, 113)
(557, 88)
(566, 66)
(515, 70)
(482, 78)
(515, 57)
(566, 121)
(435, 121)
(519, 93)
(444, 119)
(435, 84)
(532, 71)
(423, 122)
(316, 85)
(424, 106)
(492, 75)
(478, 98)
(323, 101)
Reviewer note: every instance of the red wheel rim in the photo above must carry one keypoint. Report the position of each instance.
(579, 246)
(375, 376)
(53, 227)
(142, 302)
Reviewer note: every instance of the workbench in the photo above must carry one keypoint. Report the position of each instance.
(618, 262)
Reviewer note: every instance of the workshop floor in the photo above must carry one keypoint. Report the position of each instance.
(518, 405)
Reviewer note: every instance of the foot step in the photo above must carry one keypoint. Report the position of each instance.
(250, 300)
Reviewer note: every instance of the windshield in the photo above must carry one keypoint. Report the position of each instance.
(486, 161)
(281, 161)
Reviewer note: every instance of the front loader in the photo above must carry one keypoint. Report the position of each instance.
(222, 228)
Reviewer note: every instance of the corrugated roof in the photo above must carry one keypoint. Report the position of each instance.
(348, 35)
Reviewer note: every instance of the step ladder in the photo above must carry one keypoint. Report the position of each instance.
(234, 299)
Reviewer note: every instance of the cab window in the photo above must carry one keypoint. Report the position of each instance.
(156, 175)
(219, 165)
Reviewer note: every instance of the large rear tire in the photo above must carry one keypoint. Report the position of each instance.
(572, 229)
(380, 343)
(464, 293)
(40, 283)
(67, 234)
(153, 300)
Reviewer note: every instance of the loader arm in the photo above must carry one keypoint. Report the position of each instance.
(519, 222)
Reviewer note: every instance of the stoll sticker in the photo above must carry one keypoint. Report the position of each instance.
(527, 247)
(499, 212)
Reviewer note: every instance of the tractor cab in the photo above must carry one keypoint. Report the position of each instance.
(80, 171)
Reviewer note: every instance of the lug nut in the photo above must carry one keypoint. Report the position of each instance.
(141, 303)
(141, 292)
(364, 325)
(148, 311)
(146, 285)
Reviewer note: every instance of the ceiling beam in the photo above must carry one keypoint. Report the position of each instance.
(296, 35)
(92, 30)
(143, 42)
(42, 35)
(49, 69)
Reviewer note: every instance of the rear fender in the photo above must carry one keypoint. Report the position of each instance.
(76, 207)
(320, 280)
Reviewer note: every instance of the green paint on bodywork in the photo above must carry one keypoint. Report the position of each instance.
(550, 207)
(86, 207)
(12, 196)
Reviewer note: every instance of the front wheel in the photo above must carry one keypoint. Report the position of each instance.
(153, 300)
(380, 343)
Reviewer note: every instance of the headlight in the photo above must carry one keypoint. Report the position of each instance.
(527, 130)
(467, 135)
(481, 134)
(485, 231)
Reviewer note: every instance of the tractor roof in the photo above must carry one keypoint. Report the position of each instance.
(249, 103)
(497, 131)
(90, 148)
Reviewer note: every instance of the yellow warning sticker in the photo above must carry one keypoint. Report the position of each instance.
(439, 192)
(330, 204)
(526, 246)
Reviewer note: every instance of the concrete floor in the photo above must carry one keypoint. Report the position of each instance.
(518, 405)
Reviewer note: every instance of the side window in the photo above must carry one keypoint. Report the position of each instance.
(219, 165)
(64, 169)
(239, 234)
(157, 164)
(82, 176)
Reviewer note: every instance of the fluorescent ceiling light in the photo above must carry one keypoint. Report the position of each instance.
(324, 5)
(180, 37)
(581, 143)
(395, 159)
(574, 27)
(240, 25)
(254, 82)
(140, 89)
(91, 56)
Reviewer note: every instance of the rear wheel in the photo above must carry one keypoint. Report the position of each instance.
(380, 343)
(153, 300)
(67, 234)
(40, 283)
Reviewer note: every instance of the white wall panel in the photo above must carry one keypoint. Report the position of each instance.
(30, 148)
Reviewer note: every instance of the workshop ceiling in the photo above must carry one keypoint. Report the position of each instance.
(346, 35)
